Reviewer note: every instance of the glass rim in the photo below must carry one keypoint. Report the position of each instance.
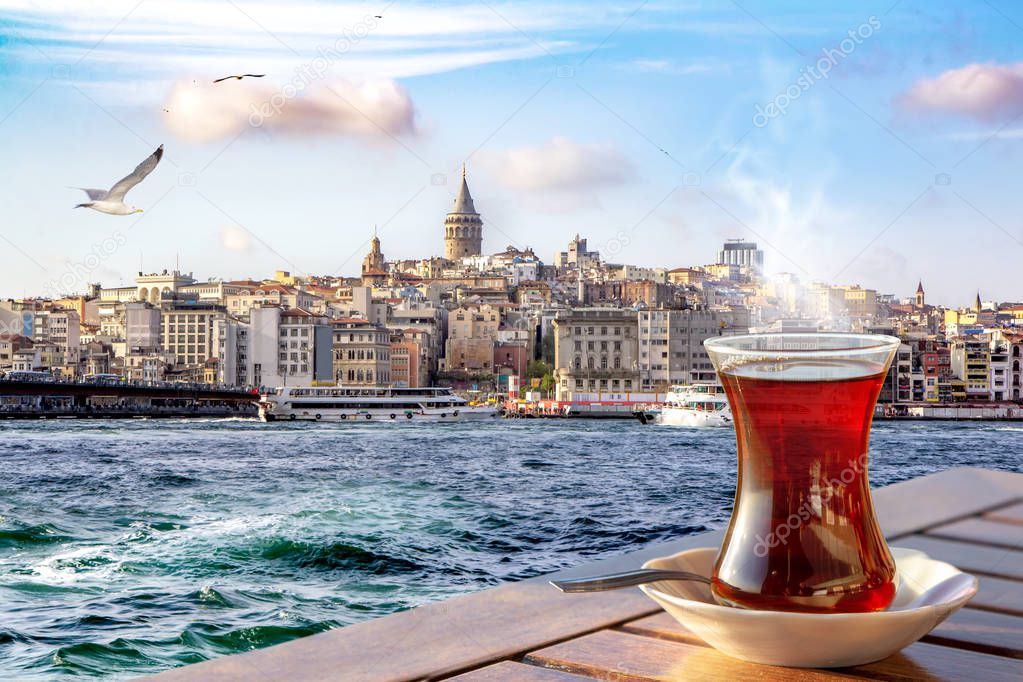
(875, 343)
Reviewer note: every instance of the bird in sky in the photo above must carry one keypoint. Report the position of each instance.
(240, 76)
(112, 201)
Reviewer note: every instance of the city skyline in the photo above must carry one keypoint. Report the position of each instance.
(647, 121)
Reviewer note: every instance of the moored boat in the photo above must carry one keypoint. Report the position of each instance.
(703, 404)
(353, 403)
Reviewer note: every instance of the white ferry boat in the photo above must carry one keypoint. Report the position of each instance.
(339, 403)
(695, 405)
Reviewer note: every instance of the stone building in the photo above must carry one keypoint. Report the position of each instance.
(374, 268)
(463, 228)
(472, 331)
(362, 353)
(651, 294)
(374, 260)
(595, 350)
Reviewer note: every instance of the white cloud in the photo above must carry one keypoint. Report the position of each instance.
(981, 91)
(234, 238)
(190, 36)
(667, 66)
(200, 111)
(559, 165)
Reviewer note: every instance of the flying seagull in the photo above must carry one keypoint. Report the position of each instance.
(240, 76)
(112, 201)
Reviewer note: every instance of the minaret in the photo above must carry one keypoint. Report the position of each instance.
(920, 294)
(463, 228)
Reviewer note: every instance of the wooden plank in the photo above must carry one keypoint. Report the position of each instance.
(919, 661)
(920, 503)
(509, 671)
(662, 626)
(997, 594)
(984, 631)
(995, 561)
(621, 656)
(981, 530)
(1011, 514)
(922, 661)
(443, 638)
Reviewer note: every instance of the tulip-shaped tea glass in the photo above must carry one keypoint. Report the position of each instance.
(803, 534)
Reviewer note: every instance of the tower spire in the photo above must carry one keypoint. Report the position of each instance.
(463, 228)
(463, 202)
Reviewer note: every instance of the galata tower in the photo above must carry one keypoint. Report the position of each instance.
(463, 228)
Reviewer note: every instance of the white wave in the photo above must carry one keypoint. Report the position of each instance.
(63, 569)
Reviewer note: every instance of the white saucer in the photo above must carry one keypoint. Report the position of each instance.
(806, 640)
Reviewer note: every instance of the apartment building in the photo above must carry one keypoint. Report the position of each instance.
(62, 328)
(362, 352)
(186, 331)
(472, 331)
(971, 363)
(595, 349)
(671, 346)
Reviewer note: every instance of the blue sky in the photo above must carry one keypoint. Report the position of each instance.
(634, 124)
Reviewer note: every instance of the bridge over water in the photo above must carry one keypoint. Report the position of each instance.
(97, 399)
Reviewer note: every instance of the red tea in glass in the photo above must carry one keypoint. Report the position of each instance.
(803, 534)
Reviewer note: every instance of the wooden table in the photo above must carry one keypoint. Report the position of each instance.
(529, 631)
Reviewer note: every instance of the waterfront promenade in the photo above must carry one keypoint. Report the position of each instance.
(970, 517)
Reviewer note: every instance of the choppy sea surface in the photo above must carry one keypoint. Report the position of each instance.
(128, 547)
